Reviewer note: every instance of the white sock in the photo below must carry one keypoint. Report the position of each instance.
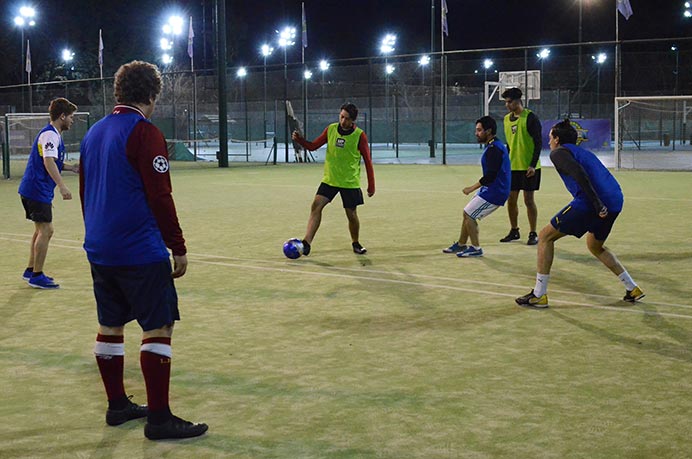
(627, 281)
(541, 284)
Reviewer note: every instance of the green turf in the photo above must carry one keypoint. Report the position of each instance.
(402, 353)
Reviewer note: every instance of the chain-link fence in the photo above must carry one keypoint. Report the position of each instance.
(401, 111)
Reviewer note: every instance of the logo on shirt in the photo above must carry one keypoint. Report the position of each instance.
(514, 129)
(49, 146)
(160, 164)
(340, 142)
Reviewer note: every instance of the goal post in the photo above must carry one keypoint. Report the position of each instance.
(652, 132)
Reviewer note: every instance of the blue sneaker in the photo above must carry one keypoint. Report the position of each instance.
(28, 273)
(43, 282)
(455, 248)
(470, 251)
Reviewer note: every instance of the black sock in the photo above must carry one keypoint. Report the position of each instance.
(118, 404)
(36, 273)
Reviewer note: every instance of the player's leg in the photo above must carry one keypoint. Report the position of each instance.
(471, 226)
(109, 349)
(314, 221)
(532, 214)
(595, 241)
(477, 209)
(513, 212)
(352, 198)
(44, 232)
(155, 305)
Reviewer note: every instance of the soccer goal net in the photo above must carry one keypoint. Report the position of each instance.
(653, 133)
(20, 130)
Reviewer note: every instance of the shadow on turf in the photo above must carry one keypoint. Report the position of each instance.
(657, 346)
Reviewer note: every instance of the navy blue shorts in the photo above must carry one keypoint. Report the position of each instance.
(521, 182)
(350, 197)
(576, 222)
(36, 211)
(143, 292)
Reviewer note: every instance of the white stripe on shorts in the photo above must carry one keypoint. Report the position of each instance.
(102, 348)
(158, 348)
(479, 208)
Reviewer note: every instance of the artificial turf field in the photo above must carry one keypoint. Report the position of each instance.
(402, 353)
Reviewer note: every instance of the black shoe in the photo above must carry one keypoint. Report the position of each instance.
(359, 249)
(533, 238)
(131, 411)
(306, 248)
(174, 428)
(512, 236)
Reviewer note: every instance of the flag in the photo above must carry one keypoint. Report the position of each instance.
(28, 58)
(445, 29)
(625, 8)
(100, 49)
(305, 28)
(190, 40)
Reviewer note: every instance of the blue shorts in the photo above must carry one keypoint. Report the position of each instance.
(350, 197)
(576, 222)
(142, 292)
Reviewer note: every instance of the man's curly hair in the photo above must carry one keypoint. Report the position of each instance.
(137, 82)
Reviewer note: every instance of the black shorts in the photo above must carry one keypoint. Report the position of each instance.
(142, 292)
(576, 222)
(521, 182)
(37, 211)
(350, 197)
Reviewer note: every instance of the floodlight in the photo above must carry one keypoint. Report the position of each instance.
(424, 60)
(266, 50)
(388, 42)
(307, 74)
(324, 65)
(242, 72)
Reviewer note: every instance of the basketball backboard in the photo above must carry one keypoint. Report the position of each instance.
(518, 80)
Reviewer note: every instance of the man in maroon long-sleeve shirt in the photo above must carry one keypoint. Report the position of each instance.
(346, 145)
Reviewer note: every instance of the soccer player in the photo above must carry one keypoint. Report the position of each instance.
(596, 205)
(130, 220)
(42, 174)
(524, 142)
(346, 144)
(494, 189)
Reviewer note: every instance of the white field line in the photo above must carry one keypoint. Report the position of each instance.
(300, 270)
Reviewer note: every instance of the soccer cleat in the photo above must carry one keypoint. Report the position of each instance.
(532, 301)
(44, 282)
(306, 248)
(633, 295)
(470, 251)
(28, 273)
(359, 249)
(455, 248)
(174, 427)
(513, 235)
(533, 238)
(131, 411)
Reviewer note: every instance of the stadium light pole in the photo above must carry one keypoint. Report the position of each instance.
(324, 66)
(241, 73)
(25, 18)
(386, 48)
(266, 51)
(173, 27)
(307, 75)
(424, 61)
(542, 55)
(599, 60)
(286, 38)
(487, 65)
(676, 50)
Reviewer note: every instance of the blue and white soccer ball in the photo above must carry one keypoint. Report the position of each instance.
(293, 248)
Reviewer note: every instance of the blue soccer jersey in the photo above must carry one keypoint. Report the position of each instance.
(602, 181)
(497, 191)
(36, 183)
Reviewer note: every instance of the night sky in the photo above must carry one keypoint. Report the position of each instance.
(336, 28)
